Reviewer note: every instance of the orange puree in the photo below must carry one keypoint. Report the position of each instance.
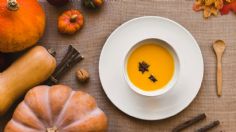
(161, 66)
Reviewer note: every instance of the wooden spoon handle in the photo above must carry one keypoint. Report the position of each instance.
(219, 77)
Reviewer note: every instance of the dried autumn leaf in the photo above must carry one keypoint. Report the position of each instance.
(198, 5)
(209, 7)
(229, 1)
(219, 4)
(214, 11)
(209, 2)
(201, 2)
(228, 7)
(207, 12)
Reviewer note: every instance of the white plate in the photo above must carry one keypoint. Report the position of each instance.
(115, 86)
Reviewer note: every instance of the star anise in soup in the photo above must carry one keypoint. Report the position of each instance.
(143, 66)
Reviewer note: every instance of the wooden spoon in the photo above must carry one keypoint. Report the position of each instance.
(219, 48)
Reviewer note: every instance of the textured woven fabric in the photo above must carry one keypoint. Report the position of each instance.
(98, 26)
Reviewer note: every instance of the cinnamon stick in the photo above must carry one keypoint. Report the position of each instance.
(209, 126)
(189, 122)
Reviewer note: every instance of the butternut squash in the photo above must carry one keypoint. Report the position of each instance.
(31, 69)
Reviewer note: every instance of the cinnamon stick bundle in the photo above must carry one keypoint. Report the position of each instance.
(71, 58)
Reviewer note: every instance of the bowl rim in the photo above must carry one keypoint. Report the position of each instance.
(170, 84)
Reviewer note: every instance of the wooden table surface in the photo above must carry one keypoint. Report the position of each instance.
(98, 26)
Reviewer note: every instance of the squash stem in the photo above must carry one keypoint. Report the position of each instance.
(73, 18)
(12, 5)
(52, 52)
(53, 129)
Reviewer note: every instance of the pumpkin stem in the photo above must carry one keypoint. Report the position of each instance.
(73, 18)
(52, 52)
(53, 129)
(12, 5)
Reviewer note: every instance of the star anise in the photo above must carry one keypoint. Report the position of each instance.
(143, 66)
(152, 78)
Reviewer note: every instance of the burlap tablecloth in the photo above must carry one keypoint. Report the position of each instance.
(99, 25)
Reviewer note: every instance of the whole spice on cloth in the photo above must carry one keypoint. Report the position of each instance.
(209, 126)
(82, 75)
(189, 122)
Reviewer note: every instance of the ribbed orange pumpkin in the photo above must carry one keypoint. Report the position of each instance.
(57, 109)
(22, 24)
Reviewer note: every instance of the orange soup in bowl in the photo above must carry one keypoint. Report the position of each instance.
(150, 66)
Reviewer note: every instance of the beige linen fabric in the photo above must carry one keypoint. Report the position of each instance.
(98, 26)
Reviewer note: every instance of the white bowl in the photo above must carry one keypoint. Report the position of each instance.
(174, 78)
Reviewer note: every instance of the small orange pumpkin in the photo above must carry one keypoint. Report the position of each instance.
(22, 23)
(57, 109)
(70, 21)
